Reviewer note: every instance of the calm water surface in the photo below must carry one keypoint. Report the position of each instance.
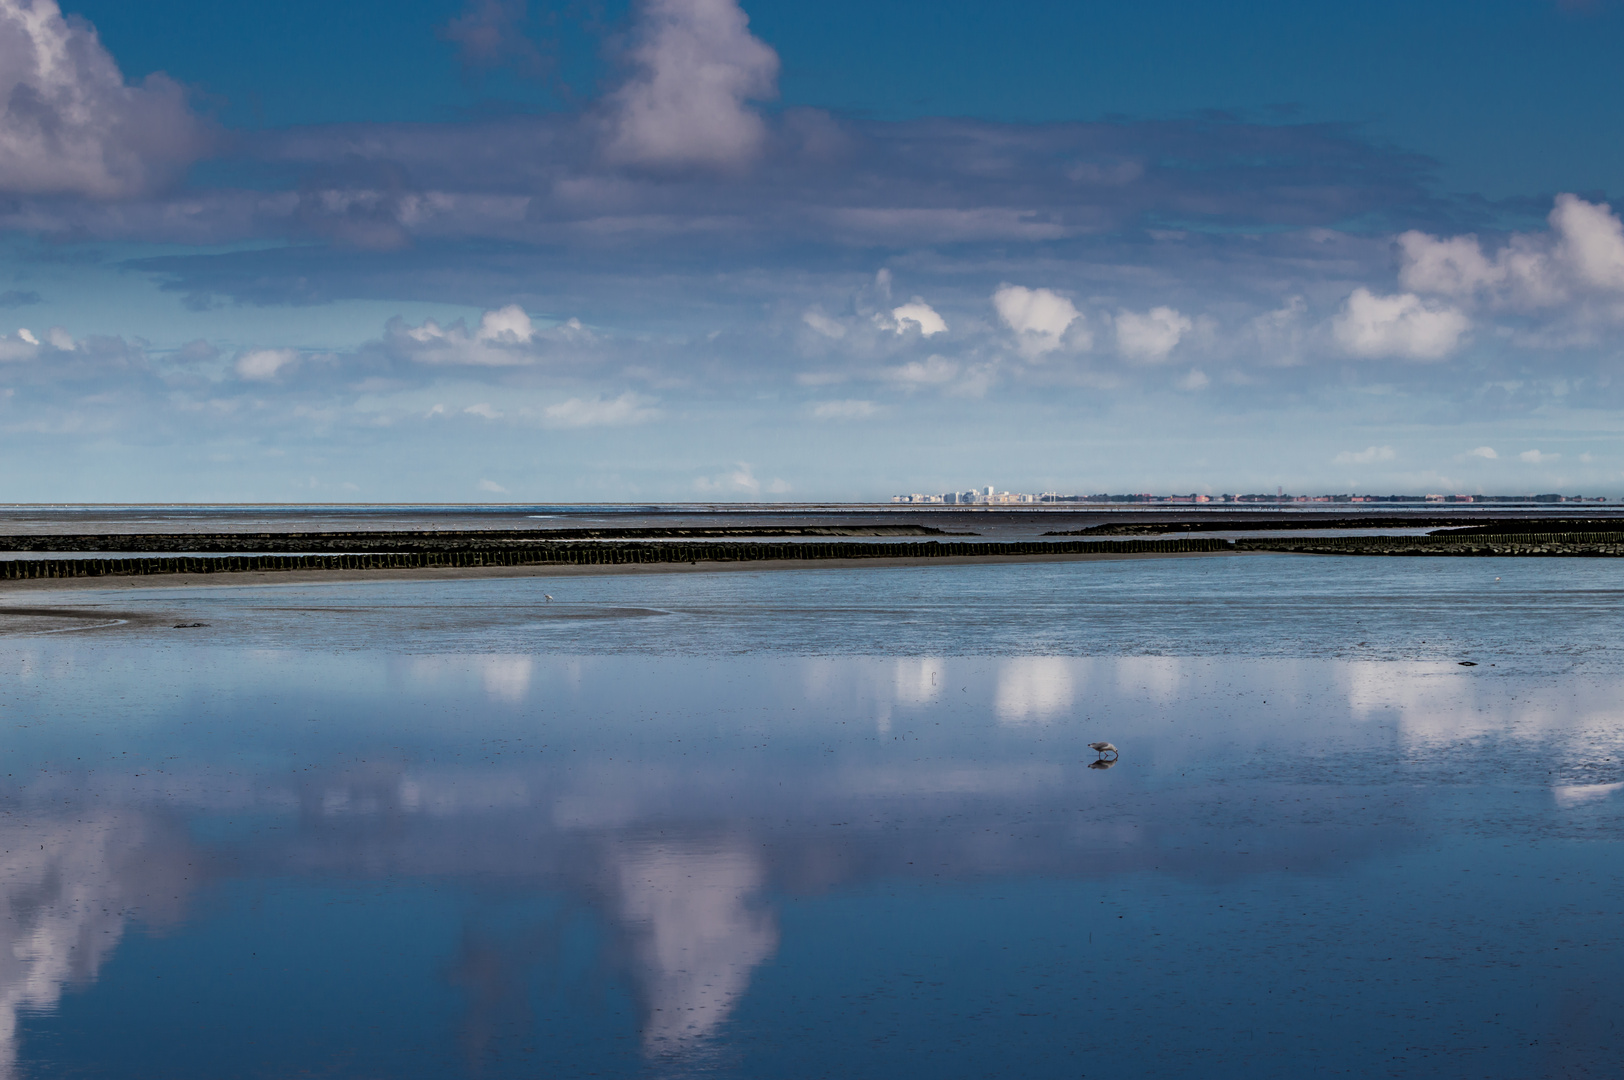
(821, 823)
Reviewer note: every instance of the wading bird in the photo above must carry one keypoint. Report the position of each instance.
(1103, 748)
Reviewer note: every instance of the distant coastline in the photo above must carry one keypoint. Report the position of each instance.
(988, 497)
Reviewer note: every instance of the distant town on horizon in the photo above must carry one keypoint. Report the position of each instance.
(987, 496)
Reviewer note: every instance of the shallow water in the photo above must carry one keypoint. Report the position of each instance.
(822, 823)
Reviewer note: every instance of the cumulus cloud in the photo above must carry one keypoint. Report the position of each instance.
(504, 337)
(1402, 326)
(1149, 337)
(1581, 256)
(697, 66)
(71, 125)
(508, 326)
(1536, 457)
(1455, 266)
(1368, 456)
(1040, 319)
(484, 410)
(626, 409)
(493, 487)
(850, 409)
(263, 365)
(1196, 379)
(917, 315)
(1591, 244)
(1486, 452)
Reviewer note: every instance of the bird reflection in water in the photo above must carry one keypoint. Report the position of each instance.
(1102, 763)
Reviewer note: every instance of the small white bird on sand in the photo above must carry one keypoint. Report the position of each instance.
(549, 596)
(1103, 748)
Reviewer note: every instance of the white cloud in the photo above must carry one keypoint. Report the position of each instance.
(27, 335)
(844, 410)
(918, 315)
(1369, 455)
(1581, 255)
(824, 325)
(1402, 326)
(505, 337)
(622, 411)
(1535, 457)
(697, 64)
(1040, 318)
(1149, 337)
(1195, 380)
(1591, 244)
(1485, 452)
(1446, 267)
(263, 365)
(485, 410)
(70, 124)
(506, 326)
(493, 487)
(931, 371)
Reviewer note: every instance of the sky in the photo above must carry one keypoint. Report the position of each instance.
(670, 250)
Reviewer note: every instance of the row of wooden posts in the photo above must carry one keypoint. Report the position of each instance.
(609, 554)
(577, 554)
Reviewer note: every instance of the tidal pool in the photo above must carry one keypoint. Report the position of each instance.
(790, 825)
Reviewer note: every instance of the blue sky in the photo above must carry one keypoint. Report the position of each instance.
(688, 249)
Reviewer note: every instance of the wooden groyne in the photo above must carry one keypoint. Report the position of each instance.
(1566, 544)
(587, 554)
(1453, 523)
(394, 541)
(1600, 544)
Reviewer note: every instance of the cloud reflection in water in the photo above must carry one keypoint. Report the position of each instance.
(697, 927)
(680, 802)
(67, 888)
